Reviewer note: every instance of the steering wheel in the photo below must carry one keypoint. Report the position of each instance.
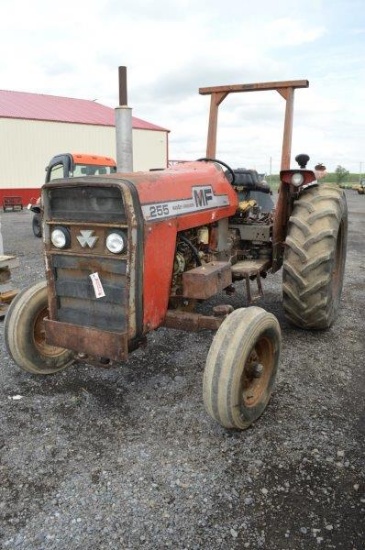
(230, 170)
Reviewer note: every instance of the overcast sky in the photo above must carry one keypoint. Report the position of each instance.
(171, 48)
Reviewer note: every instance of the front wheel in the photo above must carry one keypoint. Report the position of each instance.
(37, 225)
(241, 367)
(25, 335)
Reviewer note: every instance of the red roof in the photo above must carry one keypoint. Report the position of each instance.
(29, 106)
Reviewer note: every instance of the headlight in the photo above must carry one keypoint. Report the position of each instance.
(60, 237)
(297, 179)
(116, 242)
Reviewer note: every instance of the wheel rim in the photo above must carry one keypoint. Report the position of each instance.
(39, 336)
(257, 372)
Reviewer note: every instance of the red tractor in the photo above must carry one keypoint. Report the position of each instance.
(128, 253)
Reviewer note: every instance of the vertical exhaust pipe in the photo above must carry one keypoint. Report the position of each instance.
(123, 127)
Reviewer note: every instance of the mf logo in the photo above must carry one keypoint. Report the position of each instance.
(87, 238)
(202, 196)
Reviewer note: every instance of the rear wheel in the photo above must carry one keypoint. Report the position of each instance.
(241, 367)
(314, 259)
(25, 334)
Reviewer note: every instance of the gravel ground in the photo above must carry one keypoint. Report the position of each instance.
(127, 458)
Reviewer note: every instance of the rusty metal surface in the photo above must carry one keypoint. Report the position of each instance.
(7, 292)
(87, 238)
(280, 226)
(288, 127)
(123, 88)
(89, 211)
(71, 295)
(250, 267)
(205, 281)
(184, 320)
(9, 262)
(98, 343)
(255, 87)
(286, 89)
(219, 93)
(222, 310)
(255, 232)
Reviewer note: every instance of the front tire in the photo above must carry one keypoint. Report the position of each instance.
(25, 335)
(241, 367)
(37, 225)
(315, 256)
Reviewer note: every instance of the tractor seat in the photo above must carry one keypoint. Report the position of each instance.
(249, 179)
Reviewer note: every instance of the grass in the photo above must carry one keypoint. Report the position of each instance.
(348, 183)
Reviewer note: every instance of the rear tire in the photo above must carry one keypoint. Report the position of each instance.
(25, 335)
(315, 256)
(241, 367)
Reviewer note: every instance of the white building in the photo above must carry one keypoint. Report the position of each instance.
(35, 127)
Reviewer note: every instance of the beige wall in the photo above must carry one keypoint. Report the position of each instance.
(26, 146)
(149, 149)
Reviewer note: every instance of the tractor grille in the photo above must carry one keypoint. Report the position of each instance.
(86, 203)
(83, 207)
(89, 211)
(75, 298)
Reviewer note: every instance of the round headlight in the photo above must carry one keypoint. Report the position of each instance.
(297, 179)
(60, 237)
(116, 242)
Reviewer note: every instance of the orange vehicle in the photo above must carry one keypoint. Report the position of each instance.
(130, 252)
(70, 165)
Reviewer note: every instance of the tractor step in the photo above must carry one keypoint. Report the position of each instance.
(8, 295)
(5, 300)
(7, 292)
(8, 262)
(250, 270)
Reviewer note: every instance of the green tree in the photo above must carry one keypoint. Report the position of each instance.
(341, 174)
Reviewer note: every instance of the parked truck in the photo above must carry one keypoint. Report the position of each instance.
(69, 165)
(126, 254)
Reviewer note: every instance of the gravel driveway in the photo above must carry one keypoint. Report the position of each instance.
(127, 458)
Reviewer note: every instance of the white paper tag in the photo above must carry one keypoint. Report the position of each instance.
(98, 287)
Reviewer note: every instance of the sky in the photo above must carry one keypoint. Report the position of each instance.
(171, 48)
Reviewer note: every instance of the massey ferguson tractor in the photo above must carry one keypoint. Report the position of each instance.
(128, 253)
